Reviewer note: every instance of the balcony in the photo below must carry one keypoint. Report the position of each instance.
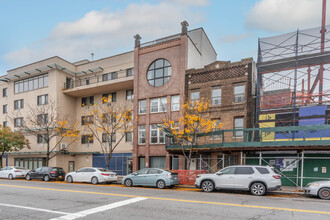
(98, 84)
(253, 138)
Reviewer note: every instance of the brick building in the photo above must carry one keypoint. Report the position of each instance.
(159, 84)
(230, 87)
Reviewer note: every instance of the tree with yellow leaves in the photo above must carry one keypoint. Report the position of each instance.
(109, 124)
(50, 127)
(194, 121)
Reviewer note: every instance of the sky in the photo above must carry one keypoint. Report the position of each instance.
(37, 29)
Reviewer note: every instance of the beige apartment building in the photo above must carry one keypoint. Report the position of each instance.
(68, 85)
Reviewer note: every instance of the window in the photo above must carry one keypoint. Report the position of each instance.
(229, 170)
(129, 136)
(175, 103)
(244, 170)
(217, 123)
(18, 104)
(142, 107)
(5, 109)
(129, 94)
(18, 122)
(157, 136)
(32, 83)
(159, 72)
(42, 119)
(87, 120)
(239, 93)
(262, 170)
(5, 124)
(87, 101)
(194, 95)
(106, 138)
(109, 97)
(109, 76)
(41, 139)
(87, 139)
(154, 171)
(158, 105)
(158, 162)
(5, 92)
(142, 134)
(129, 72)
(216, 95)
(238, 124)
(42, 99)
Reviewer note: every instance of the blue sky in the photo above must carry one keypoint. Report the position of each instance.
(38, 29)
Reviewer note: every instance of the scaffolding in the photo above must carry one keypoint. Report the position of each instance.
(293, 72)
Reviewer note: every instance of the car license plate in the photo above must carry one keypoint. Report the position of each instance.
(60, 177)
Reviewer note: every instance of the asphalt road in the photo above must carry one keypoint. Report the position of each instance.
(50, 200)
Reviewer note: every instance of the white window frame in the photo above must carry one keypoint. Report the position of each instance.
(216, 100)
(175, 103)
(158, 105)
(238, 134)
(160, 135)
(141, 134)
(192, 93)
(142, 107)
(239, 97)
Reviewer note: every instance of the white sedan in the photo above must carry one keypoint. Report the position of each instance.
(92, 175)
(13, 172)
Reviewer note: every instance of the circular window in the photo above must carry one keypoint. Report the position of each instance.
(159, 72)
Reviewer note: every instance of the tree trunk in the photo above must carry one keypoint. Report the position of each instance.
(48, 153)
(1, 156)
(108, 160)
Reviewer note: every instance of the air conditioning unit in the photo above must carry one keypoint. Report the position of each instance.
(63, 146)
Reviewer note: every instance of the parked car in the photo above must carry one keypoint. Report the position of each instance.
(13, 172)
(318, 188)
(256, 179)
(46, 174)
(152, 177)
(92, 175)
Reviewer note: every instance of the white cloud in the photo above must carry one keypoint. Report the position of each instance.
(191, 2)
(285, 15)
(233, 38)
(106, 32)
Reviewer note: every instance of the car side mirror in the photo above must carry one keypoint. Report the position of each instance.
(219, 173)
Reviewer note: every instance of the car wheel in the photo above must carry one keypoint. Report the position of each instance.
(128, 183)
(28, 177)
(46, 178)
(95, 180)
(258, 189)
(324, 193)
(69, 179)
(10, 176)
(207, 186)
(160, 184)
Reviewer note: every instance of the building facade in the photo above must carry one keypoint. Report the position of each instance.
(159, 85)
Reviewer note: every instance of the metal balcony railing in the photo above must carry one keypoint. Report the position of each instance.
(314, 135)
(95, 79)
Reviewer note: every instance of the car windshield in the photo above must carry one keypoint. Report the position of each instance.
(57, 169)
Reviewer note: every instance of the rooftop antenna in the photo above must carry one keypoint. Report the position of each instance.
(92, 54)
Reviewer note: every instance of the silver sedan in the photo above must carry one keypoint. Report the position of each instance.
(318, 188)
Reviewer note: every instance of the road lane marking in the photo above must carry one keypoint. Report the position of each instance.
(99, 209)
(35, 209)
(175, 200)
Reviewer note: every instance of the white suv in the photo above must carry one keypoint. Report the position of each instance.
(256, 179)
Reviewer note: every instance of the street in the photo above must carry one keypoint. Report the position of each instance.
(53, 200)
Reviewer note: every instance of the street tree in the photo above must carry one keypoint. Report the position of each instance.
(51, 127)
(11, 141)
(109, 123)
(194, 121)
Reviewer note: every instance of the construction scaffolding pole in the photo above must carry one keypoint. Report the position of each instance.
(302, 170)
